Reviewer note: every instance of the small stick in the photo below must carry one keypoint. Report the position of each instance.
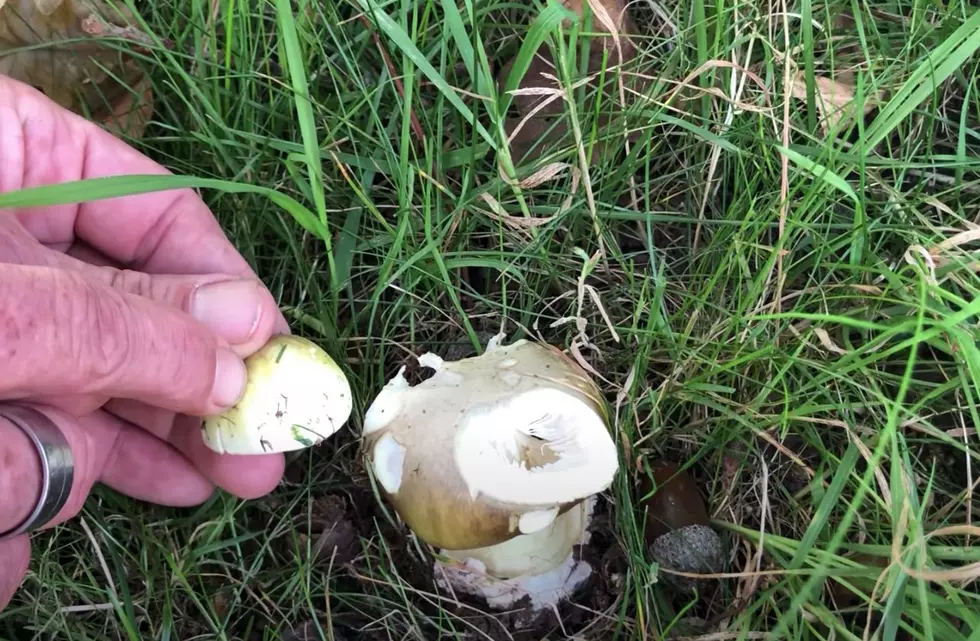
(416, 125)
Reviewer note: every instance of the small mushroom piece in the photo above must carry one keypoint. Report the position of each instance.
(493, 460)
(678, 531)
(295, 397)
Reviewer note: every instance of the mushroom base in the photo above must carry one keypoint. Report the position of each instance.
(494, 573)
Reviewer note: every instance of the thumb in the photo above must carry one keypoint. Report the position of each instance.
(240, 311)
(61, 334)
(15, 555)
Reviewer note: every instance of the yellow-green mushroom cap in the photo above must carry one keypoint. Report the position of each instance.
(490, 447)
(296, 396)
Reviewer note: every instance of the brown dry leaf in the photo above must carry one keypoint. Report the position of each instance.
(53, 45)
(606, 15)
(834, 98)
(828, 343)
(960, 238)
(539, 98)
(543, 175)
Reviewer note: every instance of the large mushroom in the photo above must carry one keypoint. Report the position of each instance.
(295, 397)
(495, 460)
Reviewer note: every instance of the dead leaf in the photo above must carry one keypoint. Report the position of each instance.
(539, 98)
(827, 342)
(608, 16)
(543, 175)
(960, 238)
(337, 543)
(834, 98)
(54, 45)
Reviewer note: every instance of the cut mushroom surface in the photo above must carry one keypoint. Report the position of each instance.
(543, 446)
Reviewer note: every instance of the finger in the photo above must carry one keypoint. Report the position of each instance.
(85, 253)
(242, 312)
(145, 468)
(247, 477)
(74, 404)
(104, 449)
(164, 232)
(18, 246)
(108, 450)
(15, 555)
(20, 487)
(150, 232)
(244, 476)
(20, 476)
(153, 420)
(109, 343)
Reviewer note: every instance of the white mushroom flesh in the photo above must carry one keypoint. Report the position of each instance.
(544, 446)
(389, 463)
(536, 520)
(534, 553)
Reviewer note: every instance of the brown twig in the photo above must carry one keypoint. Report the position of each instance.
(416, 125)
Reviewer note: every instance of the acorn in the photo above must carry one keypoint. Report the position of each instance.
(678, 530)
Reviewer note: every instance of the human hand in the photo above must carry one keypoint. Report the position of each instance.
(122, 321)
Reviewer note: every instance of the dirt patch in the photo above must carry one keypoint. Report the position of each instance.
(337, 540)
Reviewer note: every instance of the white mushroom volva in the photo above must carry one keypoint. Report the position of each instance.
(492, 460)
(296, 396)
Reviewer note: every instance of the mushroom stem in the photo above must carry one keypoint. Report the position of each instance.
(540, 566)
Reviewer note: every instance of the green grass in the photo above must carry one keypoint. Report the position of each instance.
(764, 289)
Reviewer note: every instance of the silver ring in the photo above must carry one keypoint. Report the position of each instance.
(57, 465)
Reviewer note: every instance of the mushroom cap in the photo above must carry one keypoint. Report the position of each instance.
(295, 397)
(491, 446)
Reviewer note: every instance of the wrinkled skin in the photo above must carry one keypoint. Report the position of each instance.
(114, 317)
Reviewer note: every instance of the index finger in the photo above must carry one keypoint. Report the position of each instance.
(41, 144)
